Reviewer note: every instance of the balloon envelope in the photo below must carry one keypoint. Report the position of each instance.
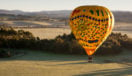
(91, 25)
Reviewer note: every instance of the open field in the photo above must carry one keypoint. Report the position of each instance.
(122, 26)
(50, 33)
(47, 33)
(29, 23)
(129, 33)
(35, 63)
(25, 23)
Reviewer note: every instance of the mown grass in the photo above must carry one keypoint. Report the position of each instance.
(37, 63)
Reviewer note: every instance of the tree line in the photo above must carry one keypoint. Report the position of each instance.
(65, 44)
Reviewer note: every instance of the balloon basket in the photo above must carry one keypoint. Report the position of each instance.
(90, 59)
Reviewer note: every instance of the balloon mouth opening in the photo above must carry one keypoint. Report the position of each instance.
(89, 51)
(92, 41)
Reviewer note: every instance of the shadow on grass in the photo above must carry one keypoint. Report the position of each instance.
(43, 56)
(78, 59)
(110, 72)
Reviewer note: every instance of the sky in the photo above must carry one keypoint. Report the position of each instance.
(42, 5)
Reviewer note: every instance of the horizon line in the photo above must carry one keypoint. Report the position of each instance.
(53, 10)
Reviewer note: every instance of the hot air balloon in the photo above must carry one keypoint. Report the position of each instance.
(91, 25)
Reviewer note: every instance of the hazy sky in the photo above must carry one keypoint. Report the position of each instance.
(40, 5)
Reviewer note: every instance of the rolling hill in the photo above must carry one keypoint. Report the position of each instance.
(120, 16)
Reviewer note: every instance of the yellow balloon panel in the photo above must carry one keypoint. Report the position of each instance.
(91, 25)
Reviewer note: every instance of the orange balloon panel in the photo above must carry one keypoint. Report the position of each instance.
(91, 25)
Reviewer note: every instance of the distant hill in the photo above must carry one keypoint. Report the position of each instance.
(123, 16)
(15, 12)
(120, 16)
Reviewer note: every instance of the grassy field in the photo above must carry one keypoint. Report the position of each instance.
(129, 33)
(30, 23)
(35, 63)
(25, 23)
(47, 33)
(50, 33)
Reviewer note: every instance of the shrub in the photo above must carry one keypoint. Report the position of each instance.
(61, 46)
(127, 44)
(4, 53)
(113, 44)
(76, 48)
(66, 44)
(109, 47)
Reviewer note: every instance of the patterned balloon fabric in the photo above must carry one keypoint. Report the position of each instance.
(91, 25)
